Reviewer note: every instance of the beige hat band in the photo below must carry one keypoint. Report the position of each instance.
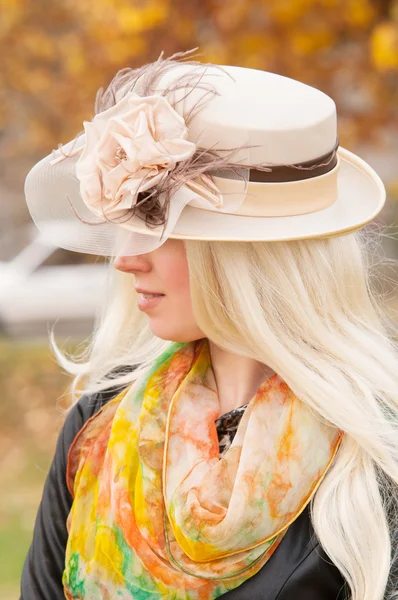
(276, 199)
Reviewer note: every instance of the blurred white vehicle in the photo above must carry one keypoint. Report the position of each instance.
(34, 295)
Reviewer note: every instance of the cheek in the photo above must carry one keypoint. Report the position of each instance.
(175, 319)
(177, 289)
(180, 285)
(176, 282)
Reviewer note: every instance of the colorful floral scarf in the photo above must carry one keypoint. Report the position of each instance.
(157, 514)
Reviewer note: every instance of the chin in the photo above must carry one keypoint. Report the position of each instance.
(175, 335)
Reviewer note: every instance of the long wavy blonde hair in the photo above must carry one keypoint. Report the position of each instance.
(311, 311)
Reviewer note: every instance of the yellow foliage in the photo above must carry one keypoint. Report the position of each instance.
(122, 50)
(70, 48)
(217, 53)
(76, 63)
(36, 44)
(11, 11)
(255, 61)
(384, 46)
(39, 81)
(37, 133)
(229, 15)
(124, 15)
(86, 41)
(183, 29)
(329, 4)
(288, 11)
(4, 110)
(307, 42)
(251, 43)
(359, 12)
(137, 20)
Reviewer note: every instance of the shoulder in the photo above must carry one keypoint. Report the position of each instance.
(85, 408)
(78, 415)
(314, 577)
(87, 421)
(299, 569)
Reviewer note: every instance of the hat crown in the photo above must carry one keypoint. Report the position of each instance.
(284, 120)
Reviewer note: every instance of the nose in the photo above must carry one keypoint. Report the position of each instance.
(132, 264)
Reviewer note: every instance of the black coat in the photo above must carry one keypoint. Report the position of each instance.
(298, 569)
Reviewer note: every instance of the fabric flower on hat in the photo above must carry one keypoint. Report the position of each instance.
(129, 149)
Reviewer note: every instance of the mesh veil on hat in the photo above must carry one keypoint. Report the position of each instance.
(192, 150)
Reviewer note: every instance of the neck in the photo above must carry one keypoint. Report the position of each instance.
(237, 377)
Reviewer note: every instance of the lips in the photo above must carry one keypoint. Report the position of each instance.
(148, 292)
(153, 294)
(150, 295)
(146, 303)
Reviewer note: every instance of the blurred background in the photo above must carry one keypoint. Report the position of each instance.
(55, 55)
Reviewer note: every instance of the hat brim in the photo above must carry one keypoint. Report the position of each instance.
(361, 196)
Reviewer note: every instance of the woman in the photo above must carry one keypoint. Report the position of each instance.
(248, 446)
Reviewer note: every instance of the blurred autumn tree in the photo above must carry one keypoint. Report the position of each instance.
(55, 55)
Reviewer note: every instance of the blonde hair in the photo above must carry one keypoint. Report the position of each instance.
(309, 309)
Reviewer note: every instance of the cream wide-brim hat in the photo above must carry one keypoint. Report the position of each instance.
(275, 121)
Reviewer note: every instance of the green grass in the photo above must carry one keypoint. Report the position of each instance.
(14, 540)
(34, 394)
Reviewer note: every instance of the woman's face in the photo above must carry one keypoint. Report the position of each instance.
(164, 271)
